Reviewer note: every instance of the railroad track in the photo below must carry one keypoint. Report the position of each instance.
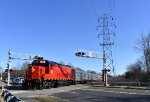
(146, 84)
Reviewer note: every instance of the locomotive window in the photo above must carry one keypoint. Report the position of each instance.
(39, 63)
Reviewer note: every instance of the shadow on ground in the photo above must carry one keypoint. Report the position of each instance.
(16, 87)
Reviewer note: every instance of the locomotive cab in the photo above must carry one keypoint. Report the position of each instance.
(40, 67)
(35, 72)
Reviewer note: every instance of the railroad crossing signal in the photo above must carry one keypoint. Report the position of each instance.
(9, 63)
(93, 54)
(88, 54)
(106, 70)
(80, 53)
(8, 66)
(104, 74)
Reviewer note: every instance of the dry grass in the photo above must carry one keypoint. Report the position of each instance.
(49, 99)
(2, 84)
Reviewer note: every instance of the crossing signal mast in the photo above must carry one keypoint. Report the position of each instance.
(93, 54)
(9, 69)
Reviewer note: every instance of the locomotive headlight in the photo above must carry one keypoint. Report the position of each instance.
(42, 61)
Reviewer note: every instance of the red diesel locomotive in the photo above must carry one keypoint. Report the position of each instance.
(47, 74)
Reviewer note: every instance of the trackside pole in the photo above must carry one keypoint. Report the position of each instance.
(9, 61)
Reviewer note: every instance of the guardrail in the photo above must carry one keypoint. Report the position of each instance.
(147, 84)
(8, 97)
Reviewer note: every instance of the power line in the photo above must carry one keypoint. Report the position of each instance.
(93, 8)
(84, 8)
(111, 7)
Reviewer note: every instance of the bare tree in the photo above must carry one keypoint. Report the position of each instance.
(134, 71)
(143, 45)
(24, 65)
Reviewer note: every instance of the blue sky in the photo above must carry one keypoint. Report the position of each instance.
(55, 29)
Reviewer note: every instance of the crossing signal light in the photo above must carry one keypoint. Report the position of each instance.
(108, 70)
(7, 65)
(6, 70)
(79, 53)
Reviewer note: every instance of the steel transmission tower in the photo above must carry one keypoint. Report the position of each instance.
(106, 35)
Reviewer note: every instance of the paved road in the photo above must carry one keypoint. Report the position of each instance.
(26, 95)
(80, 93)
(106, 95)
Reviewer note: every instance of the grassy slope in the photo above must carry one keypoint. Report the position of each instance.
(48, 99)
